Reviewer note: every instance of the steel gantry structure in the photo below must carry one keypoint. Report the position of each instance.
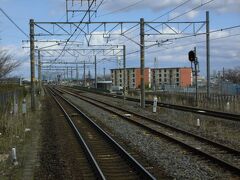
(46, 57)
(68, 32)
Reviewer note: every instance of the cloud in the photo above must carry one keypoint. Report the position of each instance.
(221, 6)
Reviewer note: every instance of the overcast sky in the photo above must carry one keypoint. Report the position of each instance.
(225, 51)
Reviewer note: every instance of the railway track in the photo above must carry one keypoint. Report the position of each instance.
(202, 111)
(226, 157)
(105, 156)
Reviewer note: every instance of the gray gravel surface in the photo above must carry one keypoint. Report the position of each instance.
(173, 159)
(220, 130)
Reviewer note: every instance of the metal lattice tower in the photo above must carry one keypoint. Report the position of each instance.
(76, 8)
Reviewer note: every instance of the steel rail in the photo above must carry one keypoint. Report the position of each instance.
(202, 111)
(80, 139)
(196, 150)
(137, 166)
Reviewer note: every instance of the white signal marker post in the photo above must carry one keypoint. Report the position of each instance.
(198, 123)
(155, 100)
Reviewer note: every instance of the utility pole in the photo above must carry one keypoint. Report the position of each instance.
(154, 79)
(39, 71)
(71, 73)
(67, 74)
(95, 63)
(104, 73)
(32, 62)
(142, 54)
(77, 73)
(208, 53)
(67, 10)
(124, 73)
(196, 75)
(84, 74)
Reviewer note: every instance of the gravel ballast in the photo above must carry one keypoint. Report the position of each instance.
(173, 159)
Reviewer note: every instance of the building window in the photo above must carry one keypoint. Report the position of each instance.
(165, 75)
(120, 76)
(133, 80)
(165, 70)
(165, 79)
(177, 75)
(133, 75)
(120, 80)
(177, 70)
(177, 79)
(160, 75)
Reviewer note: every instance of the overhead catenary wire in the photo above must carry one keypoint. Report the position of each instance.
(180, 15)
(155, 18)
(15, 24)
(122, 9)
(199, 34)
(171, 10)
(198, 42)
(65, 43)
(74, 31)
(188, 36)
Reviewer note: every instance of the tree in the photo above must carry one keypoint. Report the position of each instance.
(233, 75)
(7, 63)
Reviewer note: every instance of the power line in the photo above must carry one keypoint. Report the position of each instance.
(194, 35)
(14, 23)
(188, 44)
(161, 16)
(74, 31)
(185, 2)
(65, 45)
(122, 9)
(91, 17)
(183, 37)
(199, 6)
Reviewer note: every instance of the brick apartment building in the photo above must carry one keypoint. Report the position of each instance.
(133, 80)
(180, 76)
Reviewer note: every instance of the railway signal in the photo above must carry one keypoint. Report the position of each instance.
(191, 56)
(195, 69)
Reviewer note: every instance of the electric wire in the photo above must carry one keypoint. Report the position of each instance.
(79, 26)
(74, 31)
(122, 9)
(188, 36)
(10, 19)
(65, 43)
(180, 15)
(199, 34)
(198, 42)
(171, 10)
